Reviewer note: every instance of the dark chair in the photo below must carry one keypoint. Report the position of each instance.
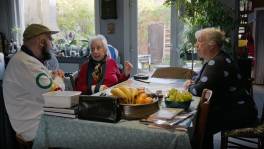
(199, 134)
(73, 78)
(246, 137)
(70, 80)
(7, 134)
(8, 138)
(173, 73)
(245, 67)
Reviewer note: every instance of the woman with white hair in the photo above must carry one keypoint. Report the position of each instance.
(230, 106)
(99, 71)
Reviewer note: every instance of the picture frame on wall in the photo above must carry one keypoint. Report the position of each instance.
(108, 9)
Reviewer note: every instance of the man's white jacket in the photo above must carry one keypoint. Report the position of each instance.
(25, 80)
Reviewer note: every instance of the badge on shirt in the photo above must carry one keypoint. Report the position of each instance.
(43, 81)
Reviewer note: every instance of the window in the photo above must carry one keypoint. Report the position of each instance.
(153, 34)
(158, 45)
(74, 19)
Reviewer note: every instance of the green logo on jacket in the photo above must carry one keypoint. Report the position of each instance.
(43, 81)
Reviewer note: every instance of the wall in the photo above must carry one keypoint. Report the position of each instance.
(125, 36)
(5, 18)
(9, 12)
(228, 3)
(259, 45)
(117, 38)
(258, 3)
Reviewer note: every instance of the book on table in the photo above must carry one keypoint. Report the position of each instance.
(72, 110)
(165, 114)
(61, 114)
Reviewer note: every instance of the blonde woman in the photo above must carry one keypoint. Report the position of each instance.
(231, 106)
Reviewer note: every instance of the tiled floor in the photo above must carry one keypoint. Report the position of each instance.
(258, 91)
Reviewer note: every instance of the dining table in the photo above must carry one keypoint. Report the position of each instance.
(126, 134)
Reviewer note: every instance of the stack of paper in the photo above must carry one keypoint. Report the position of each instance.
(169, 118)
(62, 112)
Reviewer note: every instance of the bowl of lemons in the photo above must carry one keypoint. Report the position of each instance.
(178, 99)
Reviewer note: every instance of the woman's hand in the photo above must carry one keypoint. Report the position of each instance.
(187, 84)
(127, 68)
(103, 87)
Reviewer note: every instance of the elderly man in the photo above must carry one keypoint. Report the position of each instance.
(26, 79)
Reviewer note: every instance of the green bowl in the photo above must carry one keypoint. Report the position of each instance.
(174, 104)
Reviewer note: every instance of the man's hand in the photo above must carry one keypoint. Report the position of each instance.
(187, 84)
(128, 68)
(59, 73)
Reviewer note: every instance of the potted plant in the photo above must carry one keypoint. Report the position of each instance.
(187, 51)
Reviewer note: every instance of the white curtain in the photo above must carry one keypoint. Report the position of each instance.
(259, 42)
(40, 11)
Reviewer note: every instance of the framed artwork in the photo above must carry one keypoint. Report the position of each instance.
(108, 9)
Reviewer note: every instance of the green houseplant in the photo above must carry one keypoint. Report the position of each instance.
(198, 14)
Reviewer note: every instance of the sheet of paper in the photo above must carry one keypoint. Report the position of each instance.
(162, 81)
(178, 82)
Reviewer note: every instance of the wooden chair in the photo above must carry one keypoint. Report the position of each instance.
(201, 120)
(173, 73)
(244, 135)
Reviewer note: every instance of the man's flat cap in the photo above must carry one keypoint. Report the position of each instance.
(34, 30)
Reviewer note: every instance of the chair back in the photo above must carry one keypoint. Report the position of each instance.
(69, 80)
(201, 119)
(7, 133)
(173, 73)
(2, 65)
(245, 68)
(262, 116)
(73, 78)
